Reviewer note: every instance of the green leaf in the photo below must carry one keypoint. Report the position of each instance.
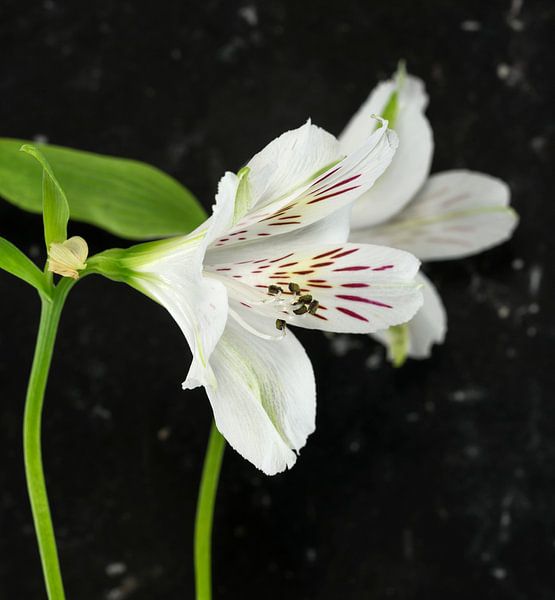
(128, 198)
(15, 262)
(55, 209)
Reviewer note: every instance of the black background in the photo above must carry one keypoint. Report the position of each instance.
(436, 481)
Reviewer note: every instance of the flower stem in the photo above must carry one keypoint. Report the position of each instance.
(205, 513)
(51, 309)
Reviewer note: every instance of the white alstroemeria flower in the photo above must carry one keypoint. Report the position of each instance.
(275, 252)
(448, 215)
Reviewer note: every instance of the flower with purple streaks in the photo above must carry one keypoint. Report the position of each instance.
(448, 215)
(274, 253)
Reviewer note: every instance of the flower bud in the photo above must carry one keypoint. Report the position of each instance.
(68, 258)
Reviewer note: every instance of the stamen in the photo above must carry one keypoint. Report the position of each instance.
(313, 307)
(280, 325)
(274, 290)
(295, 288)
(298, 304)
(254, 331)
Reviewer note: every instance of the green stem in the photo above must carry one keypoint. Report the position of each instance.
(205, 513)
(51, 309)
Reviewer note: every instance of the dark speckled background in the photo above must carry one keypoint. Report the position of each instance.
(436, 482)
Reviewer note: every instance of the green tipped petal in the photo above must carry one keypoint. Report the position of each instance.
(399, 344)
(243, 198)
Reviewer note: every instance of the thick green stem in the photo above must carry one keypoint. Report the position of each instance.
(50, 316)
(205, 514)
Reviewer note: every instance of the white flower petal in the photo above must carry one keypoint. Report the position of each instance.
(333, 190)
(174, 278)
(456, 214)
(333, 229)
(429, 325)
(264, 399)
(410, 165)
(426, 328)
(360, 288)
(289, 161)
(199, 307)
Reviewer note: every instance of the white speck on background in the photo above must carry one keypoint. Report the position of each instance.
(127, 587)
(471, 26)
(374, 361)
(467, 395)
(503, 71)
(538, 144)
(40, 138)
(164, 433)
(472, 451)
(511, 352)
(354, 446)
(249, 14)
(342, 344)
(517, 264)
(116, 568)
(311, 555)
(499, 573)
(513, 20)
(536, 273)
(100, 411)
(534, 308)
(512, 75)
(503, 312)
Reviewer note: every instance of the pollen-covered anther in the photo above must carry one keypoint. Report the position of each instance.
(68, 258)
(274, 290)
(295, 288)
(301, 310)
(313, 307)
(280, 325)
(305, 299)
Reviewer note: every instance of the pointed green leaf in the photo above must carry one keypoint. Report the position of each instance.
(128, 198)
(15, 262)
(55, 209)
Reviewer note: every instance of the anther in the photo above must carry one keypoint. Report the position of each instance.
(274, 290)
(280, 325)
(295, 288)
(305, 299)
(313, 307)
(301, 310)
